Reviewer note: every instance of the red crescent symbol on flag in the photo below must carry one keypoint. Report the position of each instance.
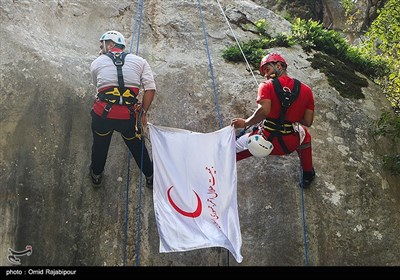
(194, 214)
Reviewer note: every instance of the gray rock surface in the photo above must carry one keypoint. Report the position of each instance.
(351, 210)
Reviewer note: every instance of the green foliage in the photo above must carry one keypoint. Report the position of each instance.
(281, 40)
(382, 42)
(351, 13)
(365, 63)
(383, 37)
(254, 50)
(262, 27)
(348, 5)
(392, 163)
(312, 35)
(388, 125)
(340, 76)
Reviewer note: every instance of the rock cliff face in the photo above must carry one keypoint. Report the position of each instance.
(47, 201)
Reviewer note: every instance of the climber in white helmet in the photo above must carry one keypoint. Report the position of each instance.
(118, 77)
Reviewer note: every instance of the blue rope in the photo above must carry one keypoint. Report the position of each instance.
(126, 211)
(135, 29)
(302, 203)
(212, 79)
(210, 64)
(138, 239)
(304, 221)
(140, 194)
(243, 131)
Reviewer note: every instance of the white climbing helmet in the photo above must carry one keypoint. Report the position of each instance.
(259, 146)
(114, 36)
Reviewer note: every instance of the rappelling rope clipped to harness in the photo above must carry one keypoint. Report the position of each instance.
(123, 96)
(137, 29)
(243, 131)
(138, 128)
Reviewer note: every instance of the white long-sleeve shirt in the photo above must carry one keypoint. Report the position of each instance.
(136, 72)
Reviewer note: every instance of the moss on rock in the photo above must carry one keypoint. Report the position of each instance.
(340, 76)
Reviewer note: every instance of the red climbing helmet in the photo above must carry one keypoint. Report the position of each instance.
(271, 57)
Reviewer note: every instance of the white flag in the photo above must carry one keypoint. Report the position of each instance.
(195, 189)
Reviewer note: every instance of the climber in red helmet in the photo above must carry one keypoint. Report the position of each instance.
(285, 110)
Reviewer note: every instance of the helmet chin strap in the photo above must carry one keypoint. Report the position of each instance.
(273, 75)
(277, 72)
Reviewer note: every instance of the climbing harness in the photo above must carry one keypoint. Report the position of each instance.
(279, 127)
(118, 95)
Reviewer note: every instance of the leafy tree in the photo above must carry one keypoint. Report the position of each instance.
(351, 13)
(382, 41)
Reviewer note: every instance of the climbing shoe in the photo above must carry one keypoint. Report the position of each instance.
(149, 182)
(308, 177)
(96, 179)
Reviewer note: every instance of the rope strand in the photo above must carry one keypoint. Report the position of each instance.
(303, 211)
(237, 42)
(136, 28)
(210, 63)
(140, 194)
(242, 131)
(138, 239)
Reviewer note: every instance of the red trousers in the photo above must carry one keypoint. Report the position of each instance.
(292, 142)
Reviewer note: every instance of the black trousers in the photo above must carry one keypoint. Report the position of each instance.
(102, 130)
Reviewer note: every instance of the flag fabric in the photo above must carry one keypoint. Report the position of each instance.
(195, 189)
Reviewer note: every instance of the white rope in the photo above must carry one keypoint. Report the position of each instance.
(237, 42)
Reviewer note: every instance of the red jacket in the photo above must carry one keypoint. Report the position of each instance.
(295, 113)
